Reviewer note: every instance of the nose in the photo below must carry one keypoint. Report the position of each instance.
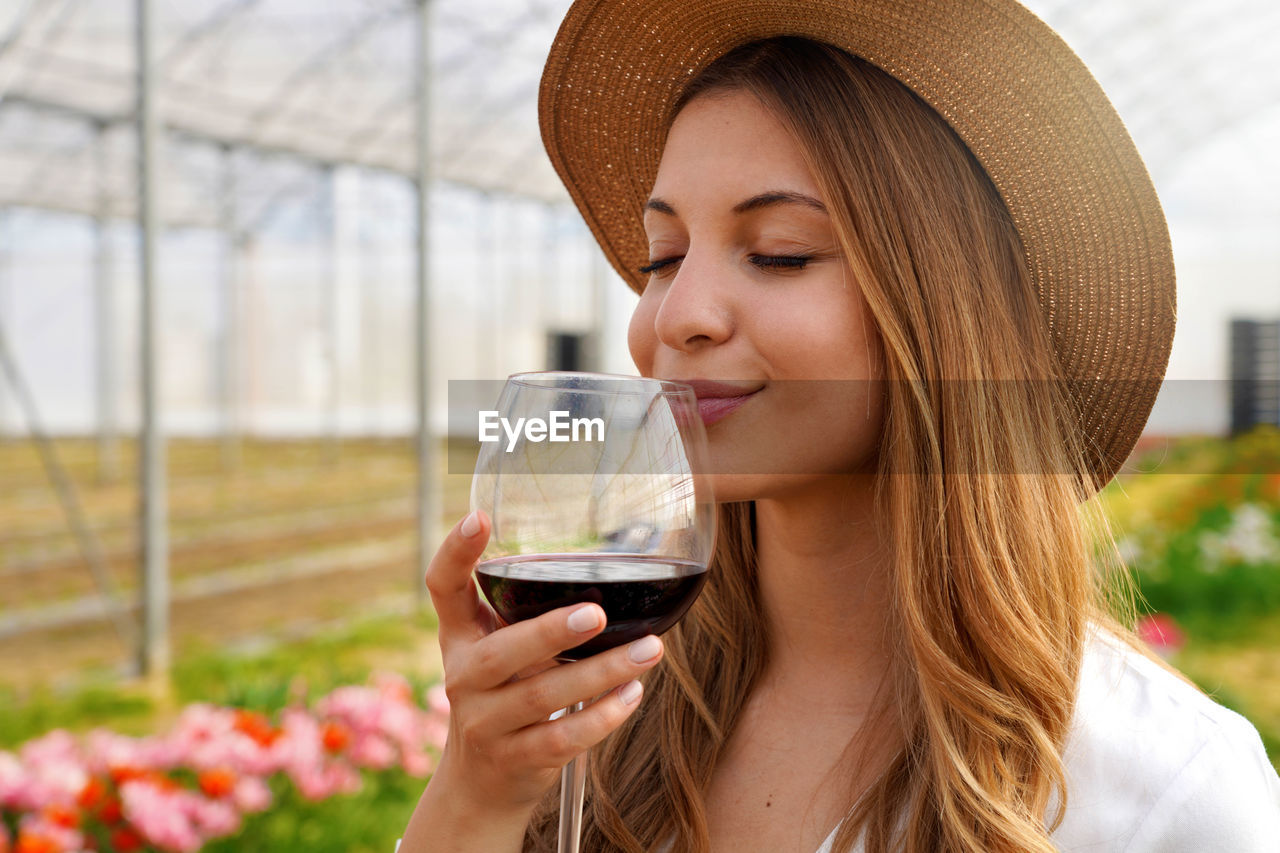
(695, 312)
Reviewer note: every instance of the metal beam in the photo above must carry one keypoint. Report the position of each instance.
(53, 26)
(371, 129)
(331, 295)
(178, 130)
(153, 652)
(228, 359)
(104, 296)
(279, 197)
(601, 288)
(492, 114)
(52, 160)
(370, 317)
(286, 92)
(20, 23)
(428, 478)
(7, 244)
(221, 17)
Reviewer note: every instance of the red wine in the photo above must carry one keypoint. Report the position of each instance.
(640, 595)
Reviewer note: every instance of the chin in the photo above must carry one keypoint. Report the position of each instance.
(732, 488)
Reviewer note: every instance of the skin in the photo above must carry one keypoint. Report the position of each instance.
(732, 192)
(723, 312)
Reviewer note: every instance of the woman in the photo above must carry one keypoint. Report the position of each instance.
(914, 244)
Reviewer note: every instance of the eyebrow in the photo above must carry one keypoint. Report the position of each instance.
(756, 202)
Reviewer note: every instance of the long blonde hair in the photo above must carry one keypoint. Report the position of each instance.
(982, 476)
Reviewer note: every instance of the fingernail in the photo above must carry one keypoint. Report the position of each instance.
(470, 525)
(630, 692)
(584, 618)
(644, 649)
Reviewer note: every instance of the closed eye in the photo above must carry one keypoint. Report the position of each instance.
(780, 262)
(654, 266)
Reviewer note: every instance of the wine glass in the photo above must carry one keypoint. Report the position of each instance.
(596, 489)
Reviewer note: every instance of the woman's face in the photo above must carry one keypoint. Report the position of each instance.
(748, 288)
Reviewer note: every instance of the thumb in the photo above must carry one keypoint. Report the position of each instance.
(453, 594)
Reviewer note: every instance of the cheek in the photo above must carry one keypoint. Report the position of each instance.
(814, 339)
(641, 338)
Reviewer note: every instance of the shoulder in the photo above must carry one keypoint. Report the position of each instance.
(1154, 764)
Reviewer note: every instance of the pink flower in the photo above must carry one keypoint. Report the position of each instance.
(13, 782)
(215, 818)
(107, 750)
(417, 764)
(251, 795)
(1161, 633)
(322, 782)
(60, 838)
(51, 772)
(438, 700)
(373, 752)
(162, 817)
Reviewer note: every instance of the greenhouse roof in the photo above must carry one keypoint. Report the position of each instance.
(328, 84)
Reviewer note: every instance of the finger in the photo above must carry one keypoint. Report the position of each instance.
(532, 700)
(495, 658)
(560, 740)
(454, 596)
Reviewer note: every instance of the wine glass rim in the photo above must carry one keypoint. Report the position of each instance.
(642, 384)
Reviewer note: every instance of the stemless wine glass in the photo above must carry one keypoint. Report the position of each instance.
(596, 488)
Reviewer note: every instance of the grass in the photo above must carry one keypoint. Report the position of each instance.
(366, 822)
(266, 678)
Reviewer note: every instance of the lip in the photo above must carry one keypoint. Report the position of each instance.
(718, 400)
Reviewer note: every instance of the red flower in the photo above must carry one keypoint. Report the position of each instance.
(35, 844)
(93, 794)
(111, 813)
(67, 818)
(1159, 631)
(257, 727)
(125, 773)
(335, 736)
(217, 783)
(125, 840)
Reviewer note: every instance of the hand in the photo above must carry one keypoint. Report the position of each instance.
(503, 752)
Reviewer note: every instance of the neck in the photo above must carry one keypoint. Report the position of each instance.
(823, 574)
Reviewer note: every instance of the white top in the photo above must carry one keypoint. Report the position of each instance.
(1155, 766)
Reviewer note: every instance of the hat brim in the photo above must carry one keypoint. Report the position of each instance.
(1090, 222)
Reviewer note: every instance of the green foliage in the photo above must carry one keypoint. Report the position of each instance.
(265, 679)
(26, 716)
(1202, 532)
(274, 677)
(367, 822)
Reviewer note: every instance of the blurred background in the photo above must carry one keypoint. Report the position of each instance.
(250, 351)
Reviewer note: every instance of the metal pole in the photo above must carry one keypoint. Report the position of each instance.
(104, 294)
(153, 653)
(550, 313)
(332, 333)
(229, 339)
(599, 301)
(428, 481)
(6, 306)
(489, 249)
(370, 313)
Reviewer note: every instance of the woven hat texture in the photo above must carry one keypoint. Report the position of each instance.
(1094, 234)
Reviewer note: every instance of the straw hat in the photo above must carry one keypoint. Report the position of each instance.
(1095, 237)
